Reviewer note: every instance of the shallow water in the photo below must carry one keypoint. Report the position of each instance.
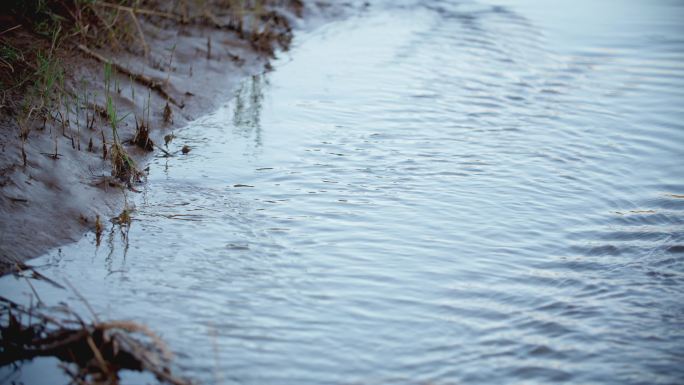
(431, 192)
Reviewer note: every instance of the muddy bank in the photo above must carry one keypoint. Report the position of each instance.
(56, 168)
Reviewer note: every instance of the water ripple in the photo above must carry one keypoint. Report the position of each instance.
(433, 192)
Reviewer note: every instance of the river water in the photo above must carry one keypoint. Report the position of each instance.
(431, 192)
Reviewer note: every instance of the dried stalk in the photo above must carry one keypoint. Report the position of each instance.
(140, 78)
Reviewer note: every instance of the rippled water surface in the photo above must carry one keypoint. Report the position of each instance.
(431, 192)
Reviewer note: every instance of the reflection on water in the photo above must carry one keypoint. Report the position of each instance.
(434, 192)
(247, 108)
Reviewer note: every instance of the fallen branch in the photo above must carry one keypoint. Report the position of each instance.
(141, 11)
(140, 78)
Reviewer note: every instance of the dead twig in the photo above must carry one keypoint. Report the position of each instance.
(99, 350)
(140, 78)
(141, 11)
(10, 29)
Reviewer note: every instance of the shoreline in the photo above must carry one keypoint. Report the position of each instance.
(58, 184)
(71, 168)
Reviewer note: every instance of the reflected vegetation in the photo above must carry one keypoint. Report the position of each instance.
(247, 107)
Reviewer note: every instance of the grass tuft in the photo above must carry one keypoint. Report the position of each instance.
(142, 136)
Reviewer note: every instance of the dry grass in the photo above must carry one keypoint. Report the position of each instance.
(99, 350)
(142, 136)
(37, 92)
(123, 166)
(36, 34)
